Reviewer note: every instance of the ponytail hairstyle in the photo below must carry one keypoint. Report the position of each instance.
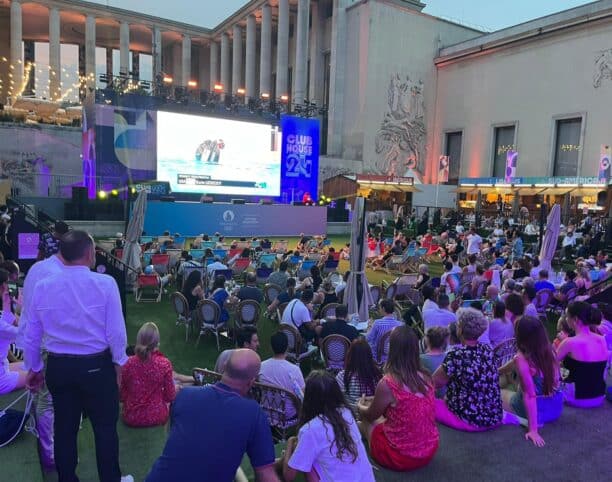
(147, 340)
(584, 312)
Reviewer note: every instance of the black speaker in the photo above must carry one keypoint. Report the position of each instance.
(167, 199)
(79, 202)
(238, 201)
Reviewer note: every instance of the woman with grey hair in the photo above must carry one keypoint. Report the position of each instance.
(469, 372)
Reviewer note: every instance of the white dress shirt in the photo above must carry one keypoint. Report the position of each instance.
(437, 317)
(212, 267)
(79, 313)
(39, 271)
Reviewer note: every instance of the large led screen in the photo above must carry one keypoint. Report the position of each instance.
(217, 156)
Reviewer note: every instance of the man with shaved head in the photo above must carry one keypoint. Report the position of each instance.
(212, 427)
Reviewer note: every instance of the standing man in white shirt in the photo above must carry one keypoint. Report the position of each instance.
(474, 242)
(78, 312)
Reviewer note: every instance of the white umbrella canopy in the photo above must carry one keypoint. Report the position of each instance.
(551, 236)
(132, 251)
(357, 283)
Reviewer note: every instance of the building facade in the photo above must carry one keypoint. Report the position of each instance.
(401, 87)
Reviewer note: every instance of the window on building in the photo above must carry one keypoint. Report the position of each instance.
(503, 141)
(567, 147)
(453, 151)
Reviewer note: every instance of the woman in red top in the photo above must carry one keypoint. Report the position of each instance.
(399, 422)
(147, 385)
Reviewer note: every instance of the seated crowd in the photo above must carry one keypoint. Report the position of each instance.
(416, 365)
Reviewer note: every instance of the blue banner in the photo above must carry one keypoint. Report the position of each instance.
(191, 219)
(299, 158)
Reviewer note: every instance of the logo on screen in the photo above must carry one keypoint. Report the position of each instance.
(298, 166)
(228, 216)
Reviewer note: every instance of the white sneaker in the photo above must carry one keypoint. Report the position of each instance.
(127, 478)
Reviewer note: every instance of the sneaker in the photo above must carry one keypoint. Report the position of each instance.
(127, 478)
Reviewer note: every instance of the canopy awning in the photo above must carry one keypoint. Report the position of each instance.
(556, 191)
(587, 191)
(529, 191)
(466, 190)
(387, 186)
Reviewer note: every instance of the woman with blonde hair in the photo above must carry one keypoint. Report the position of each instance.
(147, 383)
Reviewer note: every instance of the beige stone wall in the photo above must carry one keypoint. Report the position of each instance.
(530, 84)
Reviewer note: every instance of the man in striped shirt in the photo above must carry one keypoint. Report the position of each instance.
(382, 326)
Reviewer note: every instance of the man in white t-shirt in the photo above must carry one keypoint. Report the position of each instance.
(474, 242)
(278, 371)
(298, 314)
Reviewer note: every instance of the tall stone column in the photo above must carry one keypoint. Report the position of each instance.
(317, 67)
(16, 51)
(225, 63)
(214, 64)
(301, 52)
(282, 48)
(251, 56)
(185, 61)
(337, 74)
(237, 59)
(265, 56)
(90, 53)
(124, 49)
(55, 64)
(157, 54)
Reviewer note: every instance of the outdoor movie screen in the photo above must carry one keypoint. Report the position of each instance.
(218, 156)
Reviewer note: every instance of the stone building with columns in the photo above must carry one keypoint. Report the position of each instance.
(395, 80)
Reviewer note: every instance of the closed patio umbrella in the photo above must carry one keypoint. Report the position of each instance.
(551, 236)
(131, 251)
(358, 296)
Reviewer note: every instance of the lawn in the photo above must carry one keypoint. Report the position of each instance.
(140, 447)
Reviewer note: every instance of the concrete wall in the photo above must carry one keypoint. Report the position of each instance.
(26, 152)
(389, 52)
(529, 84)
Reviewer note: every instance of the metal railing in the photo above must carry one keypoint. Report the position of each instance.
(54, 185)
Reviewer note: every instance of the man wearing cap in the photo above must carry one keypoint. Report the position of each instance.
(49, 242)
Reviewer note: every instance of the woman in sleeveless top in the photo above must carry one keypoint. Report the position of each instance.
(399, 422)
(538, 398)
(585, 356)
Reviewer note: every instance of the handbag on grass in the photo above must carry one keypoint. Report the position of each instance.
(12, 422)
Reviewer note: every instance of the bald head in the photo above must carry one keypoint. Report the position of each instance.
(492, 292)
(243, 366)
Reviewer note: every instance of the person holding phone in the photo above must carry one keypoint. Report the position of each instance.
(12, 375)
